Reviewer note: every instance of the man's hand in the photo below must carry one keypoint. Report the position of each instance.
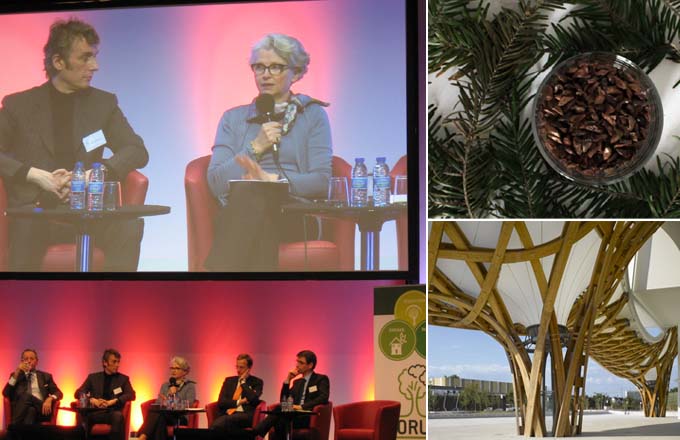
(297, 407)
(244, 376)
(97, 403)
(253, 170)
(56, 182)
(47, 406)
(23, 367)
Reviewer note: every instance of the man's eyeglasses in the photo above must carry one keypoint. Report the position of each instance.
(274, 69)
(176, 368)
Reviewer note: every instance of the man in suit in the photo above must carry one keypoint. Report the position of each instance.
(30, 391)
(238, 399)
(46, 129)
(308, 390)
(108, 390)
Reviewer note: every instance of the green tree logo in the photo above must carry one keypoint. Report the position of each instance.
(412, 387)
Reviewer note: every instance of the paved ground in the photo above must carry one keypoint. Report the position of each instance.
(609, 426)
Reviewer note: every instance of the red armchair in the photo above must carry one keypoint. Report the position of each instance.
(319, 424)
(400, 169)
(371, 420)
(192, 418)
(334, 253)
(7, 411)
(102, 430)
(212, 411)
(62, 257)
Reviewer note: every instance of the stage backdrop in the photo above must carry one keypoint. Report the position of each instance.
(399, 329)
(175, 70)
(209, 323)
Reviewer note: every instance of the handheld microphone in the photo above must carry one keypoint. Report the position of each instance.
(173, 382)
(265, 107)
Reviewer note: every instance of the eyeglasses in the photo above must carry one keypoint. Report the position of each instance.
(274, 69)
(176, 368)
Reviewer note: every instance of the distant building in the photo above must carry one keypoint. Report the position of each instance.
(448, 390)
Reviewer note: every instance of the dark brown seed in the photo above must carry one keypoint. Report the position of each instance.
(593, 117)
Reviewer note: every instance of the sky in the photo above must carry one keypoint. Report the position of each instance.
(472, 354)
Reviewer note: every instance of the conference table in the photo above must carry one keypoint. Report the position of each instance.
(369, 219)
(85, 222)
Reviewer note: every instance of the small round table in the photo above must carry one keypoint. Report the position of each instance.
(289, 416)
(177, 413)
(85, 221)
(369, 219)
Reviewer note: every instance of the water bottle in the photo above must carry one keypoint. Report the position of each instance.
(83, 400)
(381, 183)
(289, 403)
(78, 187)
(359, 183)
(95, 188)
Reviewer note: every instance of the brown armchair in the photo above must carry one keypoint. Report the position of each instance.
(371, 420)
(62, 257)
(335, 252)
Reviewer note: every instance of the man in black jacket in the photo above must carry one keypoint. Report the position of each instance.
(108, 390)
(239, 397)
(308, 390)
(30, 391)
(46, 129)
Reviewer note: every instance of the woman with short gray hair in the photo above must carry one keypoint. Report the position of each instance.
(178, 387)
(280, 135)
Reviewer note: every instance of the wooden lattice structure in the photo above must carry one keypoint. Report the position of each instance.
(486, 310)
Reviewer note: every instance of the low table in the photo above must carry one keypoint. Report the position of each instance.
(177, 413)
(289, 416)
(369, 219)
(85, 221)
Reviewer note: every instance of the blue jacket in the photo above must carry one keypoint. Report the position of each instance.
(305, 151)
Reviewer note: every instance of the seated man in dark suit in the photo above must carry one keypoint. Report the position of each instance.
(309, 389)
(239, 397)
(31, 391)
(108, 390)
(45, 130)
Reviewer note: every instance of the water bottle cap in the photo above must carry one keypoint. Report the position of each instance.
(96, 164)
(79, 164)
(359, 160)
(380, 159)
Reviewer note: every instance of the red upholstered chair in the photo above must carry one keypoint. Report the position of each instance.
(102, 430)
(336, 252)
(400, 169)
(319, 424)
(372, 420)
(192, 418)
(212, 411)
(7, 413)
(62, 257)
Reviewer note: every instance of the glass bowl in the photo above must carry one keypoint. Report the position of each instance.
(597, 118)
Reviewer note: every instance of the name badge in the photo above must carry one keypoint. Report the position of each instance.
(94, 140)
(312, 389)
(117, 391)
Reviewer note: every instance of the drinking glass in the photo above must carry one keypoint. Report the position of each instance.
(112, 196)
(400, 192)
(337, 192)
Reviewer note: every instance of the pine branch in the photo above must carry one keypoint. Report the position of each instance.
(660, 190)
(460, 179)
